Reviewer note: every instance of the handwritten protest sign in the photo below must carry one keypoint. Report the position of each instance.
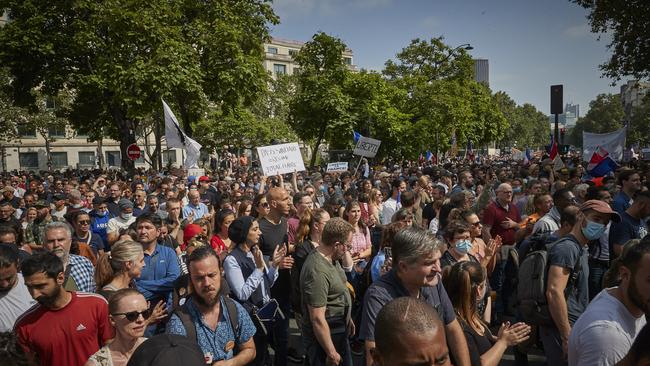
(367, 147)
(280, 159)
(339, 167)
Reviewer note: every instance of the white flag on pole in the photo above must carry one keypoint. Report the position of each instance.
(177, 138)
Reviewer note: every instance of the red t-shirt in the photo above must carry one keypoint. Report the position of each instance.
(68, 336)
(494, 215)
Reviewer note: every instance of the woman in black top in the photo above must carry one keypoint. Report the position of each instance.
(466, 285)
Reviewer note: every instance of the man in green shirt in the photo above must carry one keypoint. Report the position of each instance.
(326, 299)
(35, 231)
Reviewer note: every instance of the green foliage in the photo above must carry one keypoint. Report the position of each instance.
(639, 132)
(121, 56)
(442, 98)
(319, 108)
(627, 23)
(605, 115)
(528, 126)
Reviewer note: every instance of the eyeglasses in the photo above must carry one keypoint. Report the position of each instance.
(134, 315)
(83, 222)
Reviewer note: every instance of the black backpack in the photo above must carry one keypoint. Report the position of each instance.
(531, 286)
(183, 313)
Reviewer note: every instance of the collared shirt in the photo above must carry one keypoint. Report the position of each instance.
(389, 287)
(82, 272)
(495, 214)
(199, 211)
(213, 342)
(161, 269)
(243, 287)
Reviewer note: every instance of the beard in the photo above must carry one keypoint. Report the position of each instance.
(636, 298)
(206, 300)
(48, 300)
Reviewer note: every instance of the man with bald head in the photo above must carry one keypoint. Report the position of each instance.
(501, 217)
(409, 332)
(274, 230)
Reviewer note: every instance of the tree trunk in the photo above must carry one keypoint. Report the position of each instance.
(126, 129)
(185, 118)
(321, 134)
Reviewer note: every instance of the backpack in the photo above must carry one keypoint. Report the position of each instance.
(183, 313)
(531, 286)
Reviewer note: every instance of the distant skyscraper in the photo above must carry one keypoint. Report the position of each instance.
(567, 119)
(482, 71)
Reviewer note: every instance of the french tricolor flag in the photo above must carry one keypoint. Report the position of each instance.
(599, 155)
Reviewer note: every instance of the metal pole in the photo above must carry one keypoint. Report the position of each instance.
(557, 131)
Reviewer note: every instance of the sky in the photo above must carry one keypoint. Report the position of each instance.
(530, 44)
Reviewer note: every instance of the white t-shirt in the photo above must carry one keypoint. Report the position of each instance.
(117, 223)
(13, 304)
(604, 333)
(389, 208)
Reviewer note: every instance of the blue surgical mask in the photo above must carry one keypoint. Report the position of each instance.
(463, 246)
(516, 190)
(593, 230)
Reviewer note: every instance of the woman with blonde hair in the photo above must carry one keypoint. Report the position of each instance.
(466, 286)
(374, 205)
(119, 268)
(128, 314)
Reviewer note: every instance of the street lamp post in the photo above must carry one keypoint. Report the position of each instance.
(464, 46)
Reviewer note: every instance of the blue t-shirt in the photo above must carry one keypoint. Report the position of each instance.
(629, 228)
(566, 253)
(213, 343)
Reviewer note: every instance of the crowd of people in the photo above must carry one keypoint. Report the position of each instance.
(399, 264)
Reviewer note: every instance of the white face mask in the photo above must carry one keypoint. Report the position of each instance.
(126, 216)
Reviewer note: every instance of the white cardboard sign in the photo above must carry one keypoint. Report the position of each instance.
(280, 159)
(367, 147)
(338, 167)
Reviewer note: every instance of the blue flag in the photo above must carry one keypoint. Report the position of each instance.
(429, 155)
(357, 136)
(603, 168)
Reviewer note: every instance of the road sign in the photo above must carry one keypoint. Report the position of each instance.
(133, 152)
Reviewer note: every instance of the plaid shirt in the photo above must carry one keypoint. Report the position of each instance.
(82, 272)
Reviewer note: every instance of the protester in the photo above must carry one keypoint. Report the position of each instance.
(392, 204)
(416, 272)
(120, 268)
(128, 314)
(409, 332)
(120, 222)
(14, 296)
(79, 271)
(221, 327)
(606, 330)
(220, 242)
(80, 319)
(326, 300)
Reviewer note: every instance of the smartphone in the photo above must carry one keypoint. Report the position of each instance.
(388, 252)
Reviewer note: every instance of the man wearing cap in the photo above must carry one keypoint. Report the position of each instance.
(208, 193)
(8, 196)
(60, 209)
(35, 230)
(568, 274)
(121, 222)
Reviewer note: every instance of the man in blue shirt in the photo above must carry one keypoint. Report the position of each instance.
(213, 326)
(196, 209)
(630, 182)
(632, 225)
(161, 268)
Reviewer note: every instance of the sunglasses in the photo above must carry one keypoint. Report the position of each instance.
(134, 315)
(83, 222)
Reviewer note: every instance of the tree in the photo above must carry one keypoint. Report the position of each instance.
(605, 115)
(627, 22)
(528, 126)
(320, 107)
(442, 97)
(121, 56)
(639, 132)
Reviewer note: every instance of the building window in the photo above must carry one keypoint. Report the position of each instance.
(56, 131)
(113, 158)
(86, 158)
(169, 157)
(26, 130)
(293, 53)
(28, 160)
(273, 50)
(59, 159)
(279, 69)
(347, 60)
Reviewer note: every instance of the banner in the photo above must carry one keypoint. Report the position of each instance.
(280, 159)
(339, 167)
(367, 147)
(613, 142)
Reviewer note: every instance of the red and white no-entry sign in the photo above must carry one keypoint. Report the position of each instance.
(133, 152)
